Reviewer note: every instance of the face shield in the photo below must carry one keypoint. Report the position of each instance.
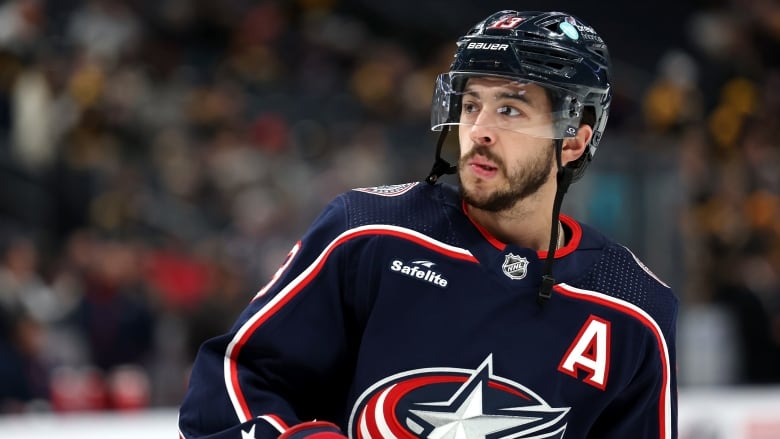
(507, 103)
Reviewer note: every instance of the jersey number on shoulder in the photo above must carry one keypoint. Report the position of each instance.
(278, 274)
(589, 352)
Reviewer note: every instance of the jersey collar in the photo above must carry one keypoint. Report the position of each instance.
(569, 224)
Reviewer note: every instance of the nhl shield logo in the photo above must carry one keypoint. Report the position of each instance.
(515, 267)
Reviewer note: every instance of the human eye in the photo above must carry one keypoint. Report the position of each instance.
(469, 107)
(508, 110)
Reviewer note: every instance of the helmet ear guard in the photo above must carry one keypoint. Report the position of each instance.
(578, 166)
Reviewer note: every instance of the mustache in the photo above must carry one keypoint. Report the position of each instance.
(483, 151)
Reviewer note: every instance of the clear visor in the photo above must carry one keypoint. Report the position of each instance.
(507, 103)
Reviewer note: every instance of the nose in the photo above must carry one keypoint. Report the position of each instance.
(482, 133)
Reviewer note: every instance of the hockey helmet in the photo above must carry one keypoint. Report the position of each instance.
(553, 50)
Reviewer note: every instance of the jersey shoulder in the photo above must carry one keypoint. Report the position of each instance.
(417, 206)
(617, 272)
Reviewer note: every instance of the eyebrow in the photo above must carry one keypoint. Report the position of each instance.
(519, 96)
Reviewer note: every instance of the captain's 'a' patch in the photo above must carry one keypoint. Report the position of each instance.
(389, 190)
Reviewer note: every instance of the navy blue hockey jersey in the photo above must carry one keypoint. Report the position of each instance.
(396, 316)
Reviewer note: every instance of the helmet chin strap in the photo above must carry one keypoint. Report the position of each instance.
(563, 179)
(440, 166)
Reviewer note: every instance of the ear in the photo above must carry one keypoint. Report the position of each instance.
(574, 147)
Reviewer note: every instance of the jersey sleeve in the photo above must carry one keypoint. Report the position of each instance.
(286, 359)
(647, 407)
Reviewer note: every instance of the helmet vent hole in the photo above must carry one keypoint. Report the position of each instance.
(599, 52)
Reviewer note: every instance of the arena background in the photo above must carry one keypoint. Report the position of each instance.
(158, 158)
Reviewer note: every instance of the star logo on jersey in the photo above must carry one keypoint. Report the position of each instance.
(515, 267)
(248, 434)
(446, 403)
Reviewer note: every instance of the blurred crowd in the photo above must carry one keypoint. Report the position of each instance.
(158, 159)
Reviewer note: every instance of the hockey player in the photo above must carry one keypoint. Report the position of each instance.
(424, 310)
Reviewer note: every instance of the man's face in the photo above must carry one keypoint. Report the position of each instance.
(504, 157)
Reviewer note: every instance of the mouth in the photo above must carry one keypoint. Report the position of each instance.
(482, 167)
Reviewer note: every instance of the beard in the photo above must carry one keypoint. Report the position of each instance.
(522, 183)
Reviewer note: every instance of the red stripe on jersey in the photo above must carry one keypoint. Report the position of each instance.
(574, 242)
(664, 401)
(299, 283)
